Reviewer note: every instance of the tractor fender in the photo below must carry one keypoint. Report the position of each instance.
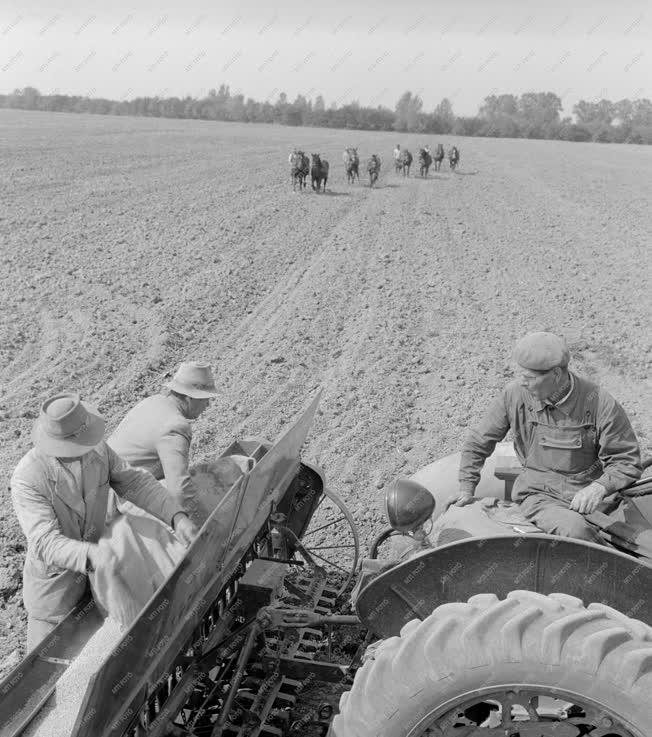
(541, 563)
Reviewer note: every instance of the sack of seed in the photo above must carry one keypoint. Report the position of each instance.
(145, 553)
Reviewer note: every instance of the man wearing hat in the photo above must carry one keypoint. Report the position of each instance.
(574, 441)
(156, 433)
(60, 491)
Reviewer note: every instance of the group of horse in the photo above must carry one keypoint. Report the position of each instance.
(301, 165)
(352, 166)
(403, 159)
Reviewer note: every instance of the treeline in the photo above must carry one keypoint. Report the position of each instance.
(531, 115)
(538, 115)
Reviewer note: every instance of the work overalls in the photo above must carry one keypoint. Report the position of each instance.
(561, 459)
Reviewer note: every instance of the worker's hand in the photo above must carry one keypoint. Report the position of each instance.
(461, 500)
(102, 558)
(184, 528)
(589, 498)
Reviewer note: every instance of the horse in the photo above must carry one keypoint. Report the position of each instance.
(404, 162)
(425, 159)
(351, 163)
(299, 169)
(439, 156)
(373, 167)
(453, 157)
(318, 172)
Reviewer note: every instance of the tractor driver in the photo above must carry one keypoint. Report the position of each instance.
(574, 441)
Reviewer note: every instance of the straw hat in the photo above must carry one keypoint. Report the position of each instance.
(67, 427)
(193, 379)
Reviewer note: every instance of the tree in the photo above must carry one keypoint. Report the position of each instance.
(532, 115)
(569, 131)
(539, 108)
(408, 110)
(642, 112)
(318, 115)
(468, 126)
(252, 111)
(236, 108)
(414, 113)
(598, 113)
(402, 107)
(501, 126)
(28, 98)
(280, 107)
(443, 117)
(496, 106)
(624, 111)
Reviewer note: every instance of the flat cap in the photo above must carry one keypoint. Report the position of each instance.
(541, 351)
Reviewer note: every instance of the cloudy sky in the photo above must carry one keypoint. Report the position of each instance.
(365, 50)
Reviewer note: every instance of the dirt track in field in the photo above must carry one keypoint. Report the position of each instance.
(128, 245)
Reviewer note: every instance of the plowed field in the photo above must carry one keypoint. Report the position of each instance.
(128, 245)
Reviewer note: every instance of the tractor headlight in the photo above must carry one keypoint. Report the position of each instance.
(408, 504)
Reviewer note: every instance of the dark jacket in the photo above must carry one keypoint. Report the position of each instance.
(585, 438)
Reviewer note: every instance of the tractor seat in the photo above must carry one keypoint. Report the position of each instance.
(508, 469)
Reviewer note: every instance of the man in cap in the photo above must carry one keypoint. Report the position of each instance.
(574, 441)
(156, 433)
(60, 492)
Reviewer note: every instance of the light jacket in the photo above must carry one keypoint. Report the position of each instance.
(563, 447)
(61, 521)
(156, 436)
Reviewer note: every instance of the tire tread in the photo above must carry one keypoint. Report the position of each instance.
(524, 636)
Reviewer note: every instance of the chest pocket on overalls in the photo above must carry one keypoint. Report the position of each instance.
(566, 449)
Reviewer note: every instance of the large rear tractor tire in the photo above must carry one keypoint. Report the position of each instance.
(528, 666)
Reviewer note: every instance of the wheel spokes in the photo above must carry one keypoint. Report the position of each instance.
(323, 527)
(551, 719)
(330, 562)
(332, 531)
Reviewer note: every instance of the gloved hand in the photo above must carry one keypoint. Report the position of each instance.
(588, 499)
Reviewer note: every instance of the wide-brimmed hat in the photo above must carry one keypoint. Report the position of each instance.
(193, 379)
(67, 427)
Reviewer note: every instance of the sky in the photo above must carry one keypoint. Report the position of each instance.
(365, 51)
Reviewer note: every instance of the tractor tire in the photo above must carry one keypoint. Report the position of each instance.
(527, 643)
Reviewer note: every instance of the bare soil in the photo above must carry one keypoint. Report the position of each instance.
(128, 245)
